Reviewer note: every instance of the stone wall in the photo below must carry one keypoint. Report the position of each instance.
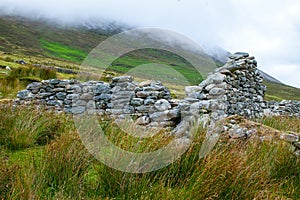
(283, 108)
(234, 89)
(149, 102)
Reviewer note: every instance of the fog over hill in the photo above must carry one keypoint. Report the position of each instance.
(267, 29)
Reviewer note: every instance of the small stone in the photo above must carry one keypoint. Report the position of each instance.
(191, 100)
(58, 90)
(122, 79)
(153, 88)
(239, 55)
(209, 87)
(202, 96)
(105, 97)
(101, 88)
(145, 83)
(192, 89)
(145, 94)
(72, 96)
(218, 78)
(80, 103)
(87, 96)
(144, 109)
(149, 102)
(144, 120)
(61, 95)
(43, 95)
(23, 94)
(237, 132)
(34, 86)
(162, 105)
(54, 81)
(165, 115)
(217, 91)
(137, 101)
(77, 110)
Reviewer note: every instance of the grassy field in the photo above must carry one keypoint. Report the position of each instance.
(42, 157)
(279, 92)
(63, 51)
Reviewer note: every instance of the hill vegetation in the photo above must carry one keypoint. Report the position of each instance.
(42, 156)
(278, 92)
(45, 43)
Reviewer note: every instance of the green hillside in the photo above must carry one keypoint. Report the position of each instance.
(24, 36)
(279, 92)
(45, 43)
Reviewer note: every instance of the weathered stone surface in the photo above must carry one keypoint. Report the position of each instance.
(137, 101)
(239, 55)
(61, 95)
(149, 102)
(145, 83)
(87, 96)
(144, 120)
(77, 110)
(144, 109)
(122, 79)
(145, 94)
(72, 96)
(105, 97)
(162, 105)
(80, 103)
(164, 116)
(218, 78)
(34, 86)
(192, 89)
(217, 91)
(43, 95)
(236, 132)
(24, 94)
(101, 88)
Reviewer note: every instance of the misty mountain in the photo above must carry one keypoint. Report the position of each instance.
(31, 36)
(269, 78)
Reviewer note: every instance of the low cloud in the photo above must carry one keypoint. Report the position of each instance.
(269, 30)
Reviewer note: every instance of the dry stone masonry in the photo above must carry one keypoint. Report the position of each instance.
(284, 107)
(149, 102)
(234, 89)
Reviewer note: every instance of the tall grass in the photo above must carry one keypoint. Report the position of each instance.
(29, 127)
(19, 78)
(38, 72)
(63, 168)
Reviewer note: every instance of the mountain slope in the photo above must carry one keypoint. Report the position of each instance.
(269, 78)
(73, 43)
(27, 36)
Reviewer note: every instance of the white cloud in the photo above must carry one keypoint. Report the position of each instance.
(269, 30)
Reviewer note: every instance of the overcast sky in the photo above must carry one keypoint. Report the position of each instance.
(267, 29)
